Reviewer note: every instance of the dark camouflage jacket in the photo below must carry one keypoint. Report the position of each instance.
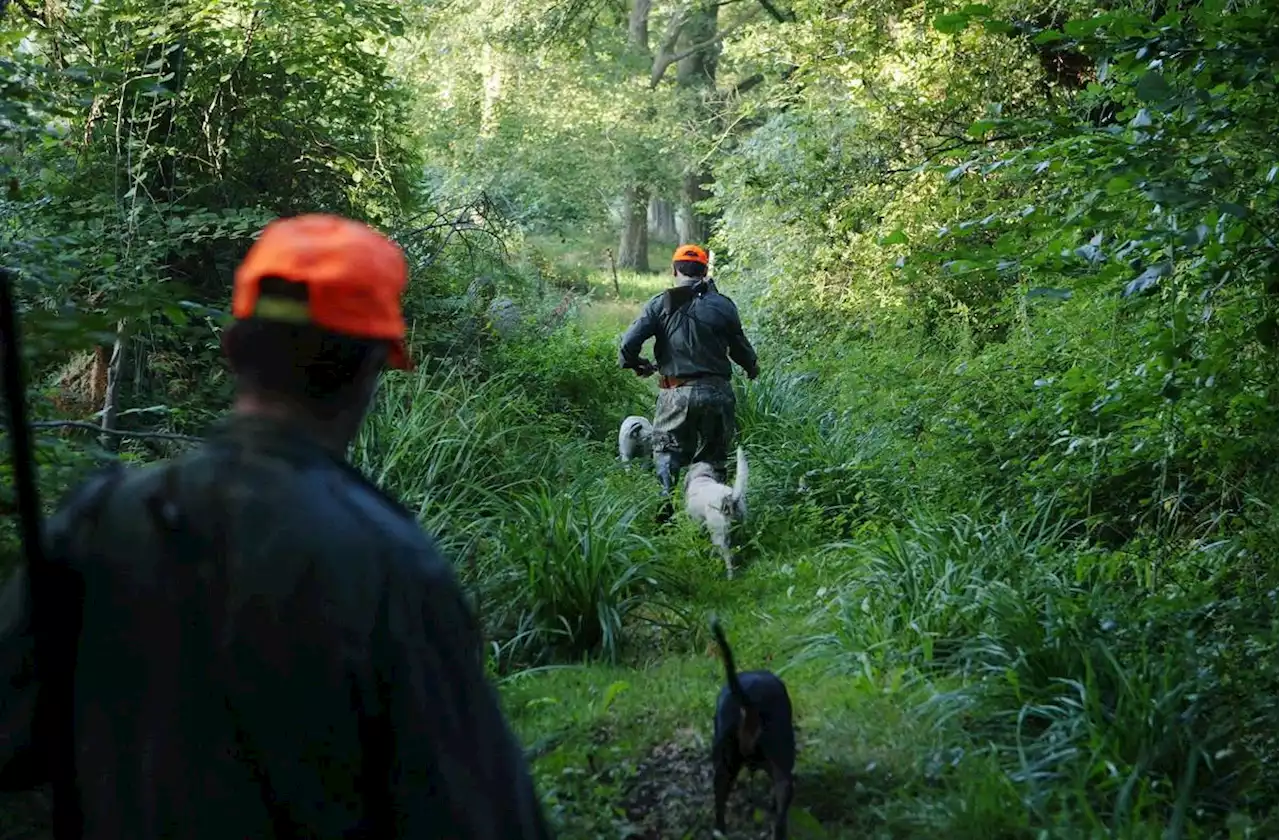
(695, 334)
(260, 645)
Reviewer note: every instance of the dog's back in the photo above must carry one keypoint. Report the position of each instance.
(635, 438)
(717, 506)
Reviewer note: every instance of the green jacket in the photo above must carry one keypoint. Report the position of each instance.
(696, 331)
(261, 644)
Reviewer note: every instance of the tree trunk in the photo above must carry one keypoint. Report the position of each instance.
(638, 25)
(692, 225)
(696, 77)
(633, 251)
(111, 400)
(662, 220)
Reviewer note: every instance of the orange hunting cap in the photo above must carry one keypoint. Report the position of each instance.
(690, 253)
(354, 277)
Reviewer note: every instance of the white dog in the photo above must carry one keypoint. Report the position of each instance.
(635, 439)
(717, 506)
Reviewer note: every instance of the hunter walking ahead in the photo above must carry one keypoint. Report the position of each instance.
(696, 332)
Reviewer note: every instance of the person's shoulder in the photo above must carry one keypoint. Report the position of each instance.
(386, 517)
(100, 500)
(724, 299)
(86, 499)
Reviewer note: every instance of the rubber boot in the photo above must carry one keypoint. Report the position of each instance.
(667, 467)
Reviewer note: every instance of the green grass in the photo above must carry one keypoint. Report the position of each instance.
(614, 739)
(608, 311)
(856, 741)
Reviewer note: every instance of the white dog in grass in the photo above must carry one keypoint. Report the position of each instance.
(635, 439)
(717, 506)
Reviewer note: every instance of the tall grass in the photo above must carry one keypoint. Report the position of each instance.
(566, 571)
(451, 448)
(511, 471)
(1104, 704)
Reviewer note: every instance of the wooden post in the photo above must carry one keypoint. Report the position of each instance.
(613, 266)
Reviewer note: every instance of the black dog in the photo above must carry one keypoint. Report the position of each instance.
(753, 729)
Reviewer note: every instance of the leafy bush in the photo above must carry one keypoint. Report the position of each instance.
(572, 377)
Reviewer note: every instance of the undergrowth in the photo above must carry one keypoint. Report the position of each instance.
(973, 650)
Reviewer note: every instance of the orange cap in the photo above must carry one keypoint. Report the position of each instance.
(354, 277)
(690, 253)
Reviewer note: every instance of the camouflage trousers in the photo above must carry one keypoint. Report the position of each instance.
(693, 424)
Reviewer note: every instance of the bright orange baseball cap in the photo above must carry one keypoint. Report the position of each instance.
(354, 277)
(690, 253)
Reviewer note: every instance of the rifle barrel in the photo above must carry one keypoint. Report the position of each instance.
(20, 449)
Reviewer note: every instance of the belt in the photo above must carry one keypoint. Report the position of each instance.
(667, 382)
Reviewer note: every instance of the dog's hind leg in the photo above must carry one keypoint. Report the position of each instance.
(782, 790)
(726, 771)
(728, 563)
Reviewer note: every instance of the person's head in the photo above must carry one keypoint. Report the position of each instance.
(317, 308)
(690, 262)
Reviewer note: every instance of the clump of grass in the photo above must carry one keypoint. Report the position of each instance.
(498, 469)
(566, 572)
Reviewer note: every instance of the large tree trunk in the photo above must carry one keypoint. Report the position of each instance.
(633, 251)
(662, 220)
(638, 25)
(692, 225)
(696, 77)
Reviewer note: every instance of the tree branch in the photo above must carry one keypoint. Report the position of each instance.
(665, 59)
(774, 13)
(668, 43)
(96, 429)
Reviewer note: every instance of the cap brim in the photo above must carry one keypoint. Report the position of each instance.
(399, 357)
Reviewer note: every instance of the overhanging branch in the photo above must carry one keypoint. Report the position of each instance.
(98, 430)
(665, 59)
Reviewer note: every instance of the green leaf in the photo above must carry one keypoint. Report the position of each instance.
(1118, 184)
(950, 24)
(612, 692)
(980, 128)
(1055, 294)
(1152, 87)
(898, 237)
(1087, 26)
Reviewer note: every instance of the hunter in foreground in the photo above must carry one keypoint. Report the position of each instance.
(255, 641)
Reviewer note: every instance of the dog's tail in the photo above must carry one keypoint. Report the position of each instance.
(740, 479)
(730, 670)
